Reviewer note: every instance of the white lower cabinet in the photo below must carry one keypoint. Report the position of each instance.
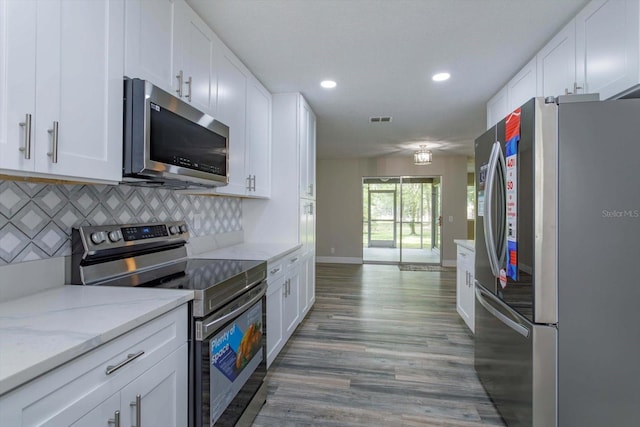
(283, 302)
(139, 378)
(465, 288)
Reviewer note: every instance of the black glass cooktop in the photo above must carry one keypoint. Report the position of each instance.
(200, 274)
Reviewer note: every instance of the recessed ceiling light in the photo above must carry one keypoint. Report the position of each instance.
(440, 77)
(328, 84)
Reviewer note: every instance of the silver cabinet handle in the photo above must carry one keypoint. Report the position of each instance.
(188, 83)
(54, 147)
(137, 404)
(274, 270)
(130, 358)
(179, 77)
(292, 260)
(115, 420)
(311, 189)
(254, 183)
(576, 87)
(27, 136)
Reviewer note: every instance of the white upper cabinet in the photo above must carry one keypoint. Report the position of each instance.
(497, 108)
(307, 150)
(522, 86)
(557, 64)
(149, 42)
(597, 52)
(258, 147)
(232, 96)
(194, 63)
(607, 46)
(62, 67)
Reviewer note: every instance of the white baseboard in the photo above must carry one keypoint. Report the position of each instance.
(449, 263)
(337, 260)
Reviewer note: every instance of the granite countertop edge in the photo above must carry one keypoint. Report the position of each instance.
(252, 251)
(55, 336)
(469, 244)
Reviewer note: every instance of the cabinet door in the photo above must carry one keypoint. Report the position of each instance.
(275, 323)
(557, 64)
(607, 45)
(149, 42)
(522, 86)
(307, 142)
(232, 95)
(307, 282)
(162, 392)
(79, 88)
(195, 49)
(103, 415)
(17, 82)
(465, 292)
(291, 302)
(497, 108)
(258, 147)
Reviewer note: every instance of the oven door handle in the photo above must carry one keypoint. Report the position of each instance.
(215, 324)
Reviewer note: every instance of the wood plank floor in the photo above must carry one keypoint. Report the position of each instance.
(380, 347)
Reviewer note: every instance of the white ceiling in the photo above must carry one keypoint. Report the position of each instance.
(382, 54)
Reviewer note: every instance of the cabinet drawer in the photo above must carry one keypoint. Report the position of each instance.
(275, 269)
(84, 381)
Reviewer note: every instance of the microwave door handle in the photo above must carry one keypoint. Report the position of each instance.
(488, 210)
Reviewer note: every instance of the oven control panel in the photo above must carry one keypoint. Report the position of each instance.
(141, 232)
(97, 238)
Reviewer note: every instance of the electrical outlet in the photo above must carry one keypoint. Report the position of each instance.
(333, 250)
(450, 218)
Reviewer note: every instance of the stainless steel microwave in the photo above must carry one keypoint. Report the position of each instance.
(168, 142)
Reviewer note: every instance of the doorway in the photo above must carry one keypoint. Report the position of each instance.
(401, 220)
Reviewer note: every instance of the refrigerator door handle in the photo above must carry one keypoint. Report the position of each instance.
(516, 326)
(501, 257)
(488, 209)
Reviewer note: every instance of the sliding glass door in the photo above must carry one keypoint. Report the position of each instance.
(401, 219)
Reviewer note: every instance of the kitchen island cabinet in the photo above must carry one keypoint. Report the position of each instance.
(465, 286)
(77, 355)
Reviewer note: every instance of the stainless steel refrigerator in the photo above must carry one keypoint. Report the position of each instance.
(558, 263)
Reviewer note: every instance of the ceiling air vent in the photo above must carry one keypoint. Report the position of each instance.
(383, 119)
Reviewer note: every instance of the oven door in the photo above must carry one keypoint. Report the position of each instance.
(230, 360)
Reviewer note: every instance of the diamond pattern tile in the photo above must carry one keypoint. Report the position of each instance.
(12, 242)
(12, 198)
(50, 199)
(30, 219)
(50, 239)
(36, 219)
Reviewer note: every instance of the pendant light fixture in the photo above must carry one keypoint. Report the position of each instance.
(422, 157)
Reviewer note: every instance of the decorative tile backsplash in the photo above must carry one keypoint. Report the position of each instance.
(36, 219)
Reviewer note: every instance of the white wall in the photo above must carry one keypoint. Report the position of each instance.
(339, 219)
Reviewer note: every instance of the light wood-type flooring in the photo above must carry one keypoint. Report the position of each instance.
(380, 347)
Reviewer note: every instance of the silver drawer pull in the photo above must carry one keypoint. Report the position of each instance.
(130, 358)
(274, 270)
(27, 136)
(115, 420)
(138, 406)
(54, 148)
(293, 260)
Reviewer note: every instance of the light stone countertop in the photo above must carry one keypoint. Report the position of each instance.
(468, 244)
(251, 251)
(43, 331)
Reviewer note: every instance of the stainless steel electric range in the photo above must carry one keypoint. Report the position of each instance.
(228, 344)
